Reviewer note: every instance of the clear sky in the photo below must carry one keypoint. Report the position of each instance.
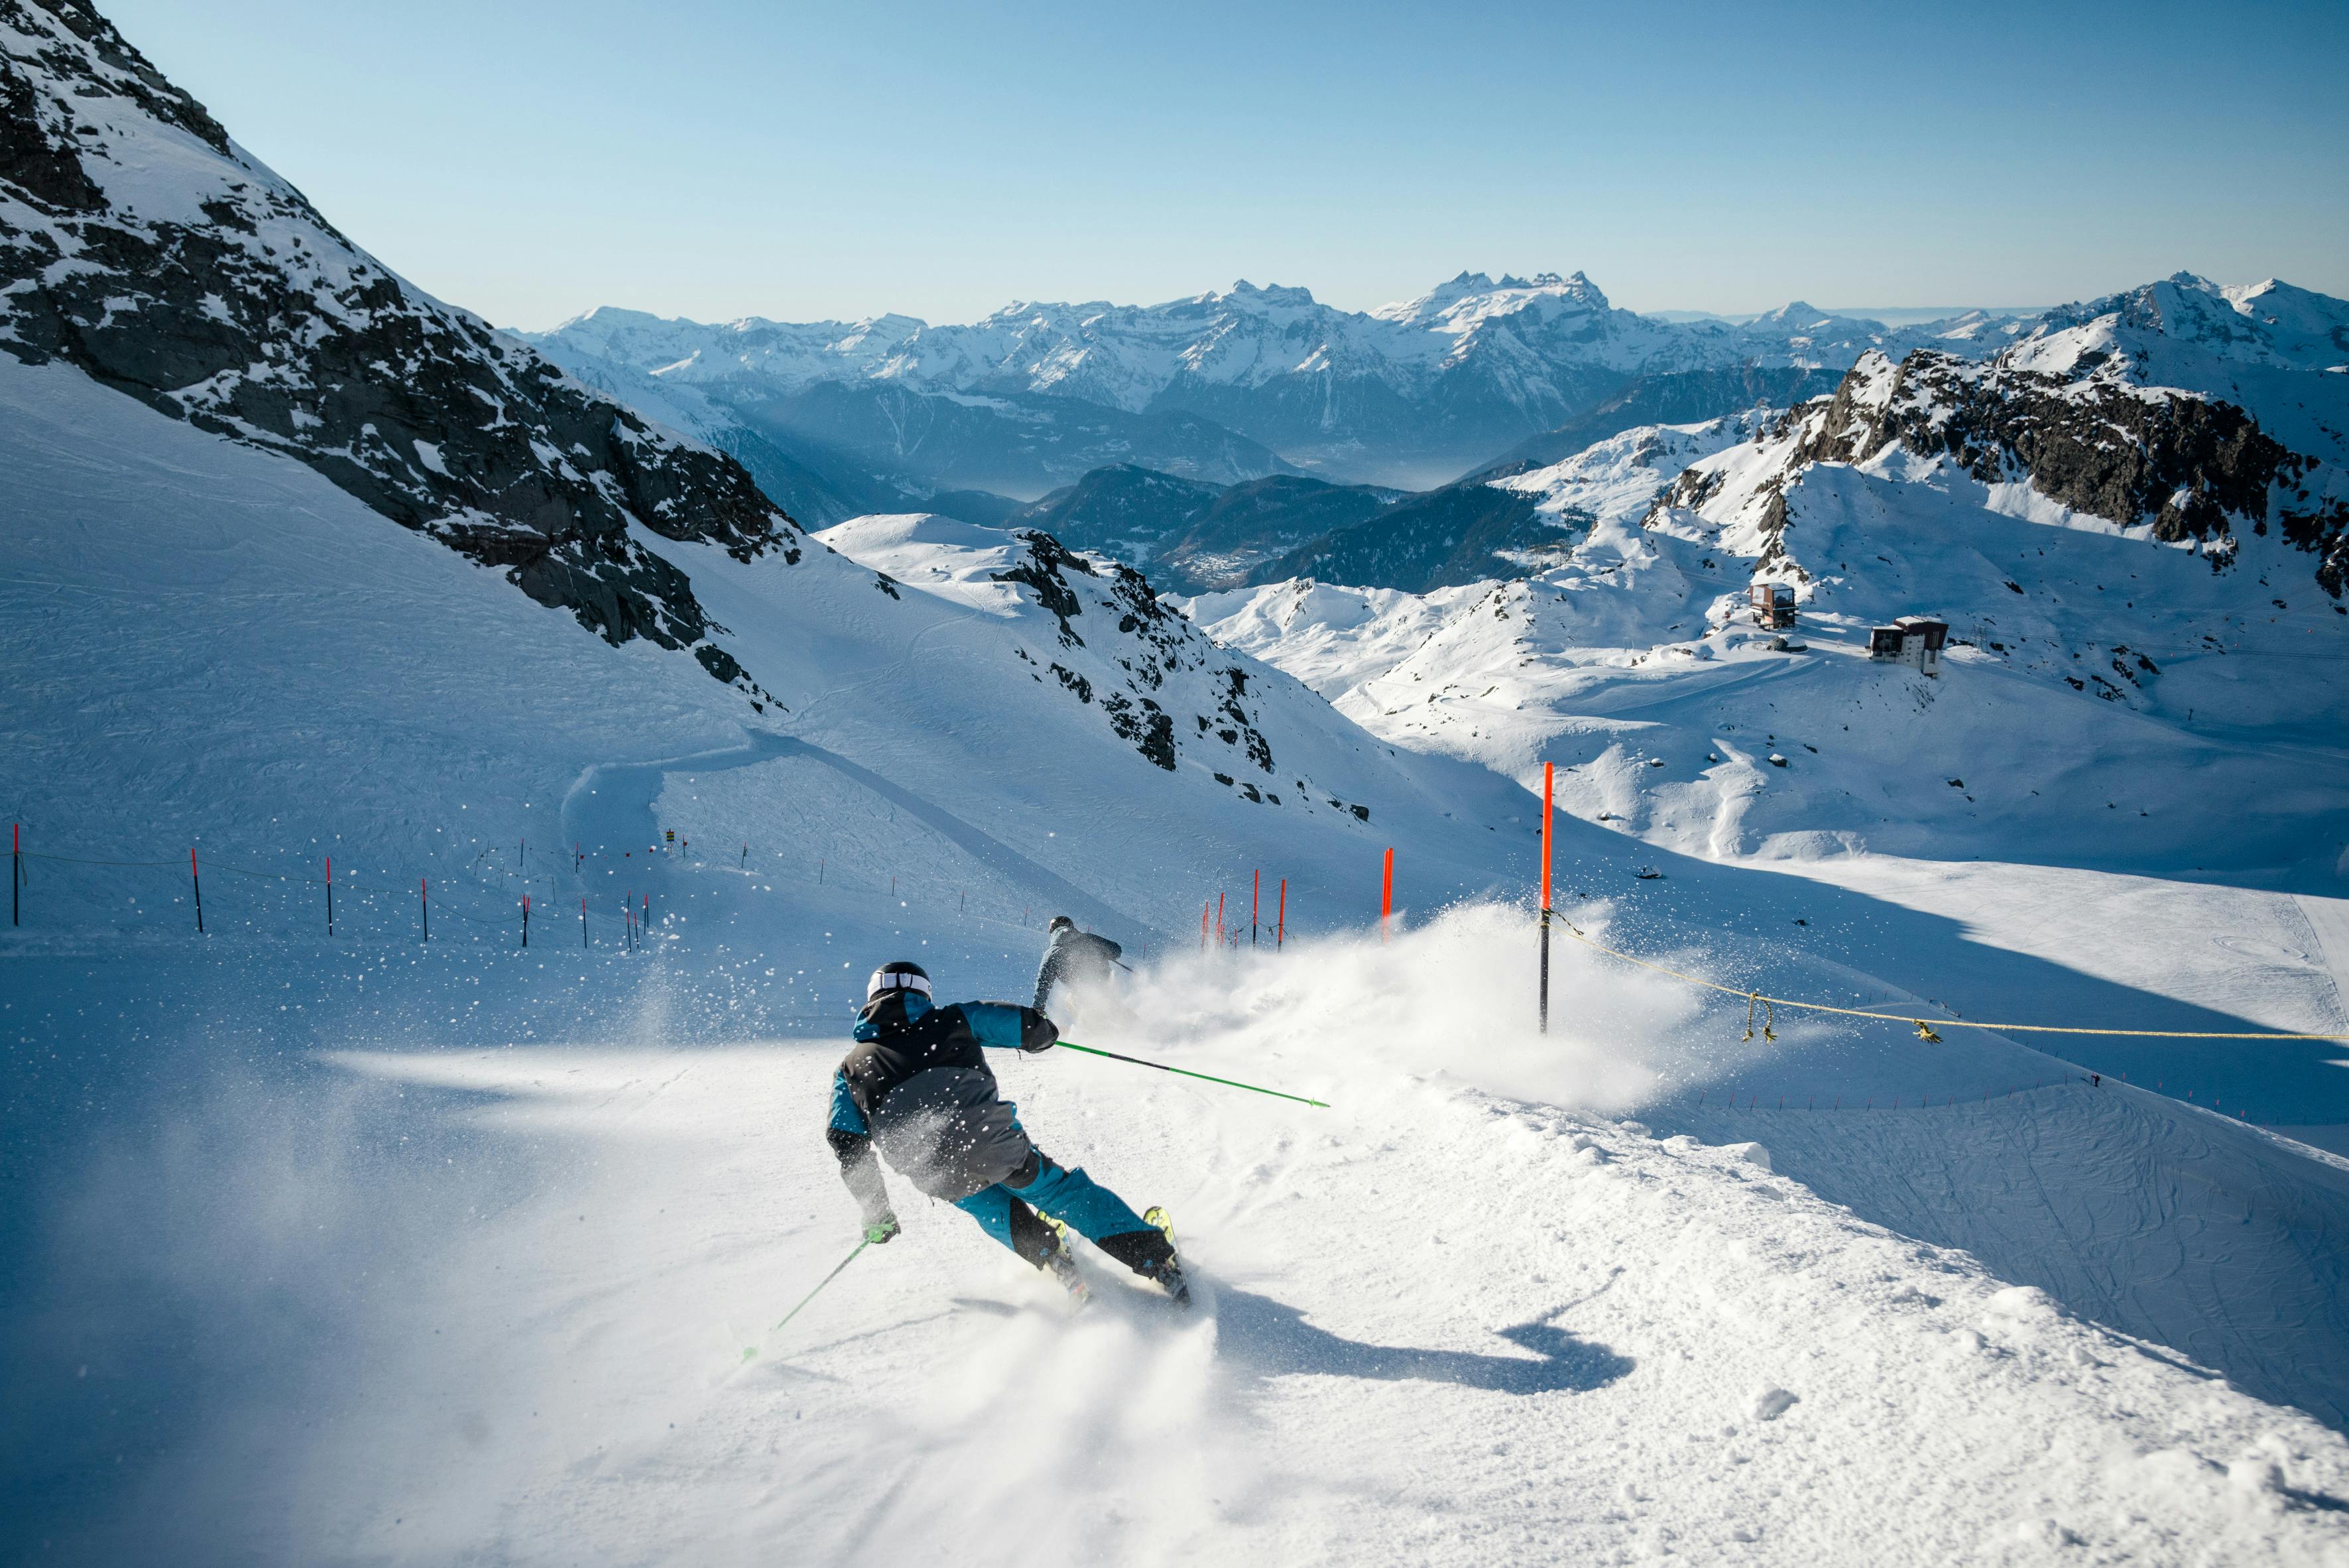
(531, 159)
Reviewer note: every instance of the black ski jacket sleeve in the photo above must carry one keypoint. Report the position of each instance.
(852, 1145)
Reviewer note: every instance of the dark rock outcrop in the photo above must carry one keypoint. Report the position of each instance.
(2187, 467)
(139, 244)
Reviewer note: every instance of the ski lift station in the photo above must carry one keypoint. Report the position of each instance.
(1912, 639)
(1774, 605)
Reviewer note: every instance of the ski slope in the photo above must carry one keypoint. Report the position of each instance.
(365, 1249)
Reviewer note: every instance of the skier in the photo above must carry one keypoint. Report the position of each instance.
(917, 1084)
(1076, 959)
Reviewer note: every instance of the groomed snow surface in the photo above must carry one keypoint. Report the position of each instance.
(477, 1286)
(363, 1249)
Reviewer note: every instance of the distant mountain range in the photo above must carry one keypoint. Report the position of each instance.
(838, 417)
(2268, 348)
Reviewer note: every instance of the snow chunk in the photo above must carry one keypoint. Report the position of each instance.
(1768, 1402)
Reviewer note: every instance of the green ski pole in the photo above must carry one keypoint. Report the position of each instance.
(1161, 1067)
(750, 1351)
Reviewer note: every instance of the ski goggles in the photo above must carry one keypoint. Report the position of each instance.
(884, 981)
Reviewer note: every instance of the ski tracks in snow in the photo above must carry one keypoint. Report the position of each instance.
(1435, 1326)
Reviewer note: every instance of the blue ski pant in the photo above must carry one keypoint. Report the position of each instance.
(1007, 1213)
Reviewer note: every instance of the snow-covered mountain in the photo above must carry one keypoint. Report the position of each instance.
(2143, 586)
(139, 244)
(1411, 394)
(374, 1191)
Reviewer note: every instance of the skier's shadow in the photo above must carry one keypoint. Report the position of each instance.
(1266, 1338)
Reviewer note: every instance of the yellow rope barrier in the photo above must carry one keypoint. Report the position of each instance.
(1924, 1029)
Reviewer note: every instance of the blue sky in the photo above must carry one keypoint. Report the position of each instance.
(723, 158)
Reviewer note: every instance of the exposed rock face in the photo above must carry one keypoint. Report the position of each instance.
(1149, 647)
(2185, 467)
(140, 244)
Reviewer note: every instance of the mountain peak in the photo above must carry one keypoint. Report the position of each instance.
(1271, 293)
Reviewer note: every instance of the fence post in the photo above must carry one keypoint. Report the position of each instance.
(1281, 921)
(1386, 894)
(330, 895)
(195, 878)
(525, 922)
(1548, 778)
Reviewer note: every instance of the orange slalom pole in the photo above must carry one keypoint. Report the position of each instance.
(1548, 779)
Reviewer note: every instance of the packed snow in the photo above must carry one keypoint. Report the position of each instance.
(361, 1247)
(420, 1010)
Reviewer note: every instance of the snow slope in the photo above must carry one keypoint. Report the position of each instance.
(360, 1246)
(2142, 587)
(372, 1249)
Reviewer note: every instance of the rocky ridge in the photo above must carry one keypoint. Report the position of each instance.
(139, 243)
(2093, 439)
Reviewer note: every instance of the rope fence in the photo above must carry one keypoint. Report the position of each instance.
(1225, 933)
(1924, 1028)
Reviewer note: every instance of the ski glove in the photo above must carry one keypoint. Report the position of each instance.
(881, 1230)
(1036, 1032)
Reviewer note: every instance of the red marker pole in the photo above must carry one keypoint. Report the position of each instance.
(1281, 921)
(1202, 925)
(1219, 920)
(199, 882)
(330, 895)
(1548, 776)
(1256, 898)
(1386, 896)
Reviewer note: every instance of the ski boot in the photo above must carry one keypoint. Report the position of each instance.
(1169, 1274)
(1063, 1265)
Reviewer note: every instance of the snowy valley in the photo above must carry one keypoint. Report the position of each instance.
(462, 787)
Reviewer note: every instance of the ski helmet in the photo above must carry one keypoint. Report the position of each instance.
(899, 974)
(1062, 922)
